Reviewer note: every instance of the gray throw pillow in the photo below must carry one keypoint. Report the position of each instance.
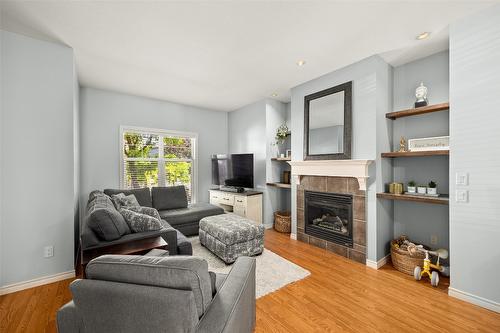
(145, 210)
(103, 219)
(124, 201)
(140, 222)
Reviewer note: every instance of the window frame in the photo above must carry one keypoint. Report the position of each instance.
(162, 160)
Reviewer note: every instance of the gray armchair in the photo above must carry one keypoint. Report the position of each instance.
(160, 294)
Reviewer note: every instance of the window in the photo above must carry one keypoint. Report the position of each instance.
(151, 157)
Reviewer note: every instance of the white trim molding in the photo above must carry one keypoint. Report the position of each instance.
(377, 264)
(333, 168)
(477, 300)
(293, 236)
(12, 288)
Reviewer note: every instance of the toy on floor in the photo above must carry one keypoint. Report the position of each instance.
(428, 266)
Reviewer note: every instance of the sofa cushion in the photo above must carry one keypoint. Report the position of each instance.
(193, 213)
(140, 222)
(121, 200)
(170, 197)
(143, 195)
(176, 272)
(104, 219)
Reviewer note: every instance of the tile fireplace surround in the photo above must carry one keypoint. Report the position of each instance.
(352, 182)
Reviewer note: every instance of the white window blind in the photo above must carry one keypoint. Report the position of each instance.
(151, 157)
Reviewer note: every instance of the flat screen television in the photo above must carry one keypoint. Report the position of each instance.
(234, 170)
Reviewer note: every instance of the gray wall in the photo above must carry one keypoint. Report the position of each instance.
(1, 151)
(251, 130)
(103, 112)
(417, 220)
(371, 100)
(475, 149)
(37, 184)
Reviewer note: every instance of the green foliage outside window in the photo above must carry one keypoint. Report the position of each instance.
(145, 173)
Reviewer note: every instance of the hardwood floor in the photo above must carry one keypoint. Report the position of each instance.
(338, 296)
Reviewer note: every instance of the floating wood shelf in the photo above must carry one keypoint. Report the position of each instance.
(443, 199)
(417, 111)
(281, 159)
(417, 153)
(280, 185)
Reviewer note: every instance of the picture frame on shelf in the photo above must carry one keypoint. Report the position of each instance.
(429, 144)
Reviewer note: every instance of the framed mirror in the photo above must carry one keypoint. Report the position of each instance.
(327, 124)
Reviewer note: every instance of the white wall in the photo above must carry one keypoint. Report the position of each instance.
(368, 86)
(418, 220)
(475, 149)
(103, 112)
(37, 158)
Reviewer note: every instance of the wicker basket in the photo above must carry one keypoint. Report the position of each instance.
(403, 262)
(282, 222)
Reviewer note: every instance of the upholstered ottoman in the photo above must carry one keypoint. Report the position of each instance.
(230, 236)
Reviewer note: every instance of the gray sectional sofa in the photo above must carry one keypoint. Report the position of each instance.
(131, 294)
(180, 219)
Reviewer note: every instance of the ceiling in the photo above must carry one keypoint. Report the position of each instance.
(223, 55)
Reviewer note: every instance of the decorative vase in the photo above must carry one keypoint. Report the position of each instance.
(432, 190)
(412, 189)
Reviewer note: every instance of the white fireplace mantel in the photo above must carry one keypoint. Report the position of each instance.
(333, 168)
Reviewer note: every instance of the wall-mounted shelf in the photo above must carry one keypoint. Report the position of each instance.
(417, 111)
(416, 153)
(280, 185)
(281, 159)
(443, 199)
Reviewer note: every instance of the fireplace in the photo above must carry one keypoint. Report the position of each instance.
(329, 216)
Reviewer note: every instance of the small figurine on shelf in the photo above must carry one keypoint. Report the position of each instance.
(402, 145)
(421, 95)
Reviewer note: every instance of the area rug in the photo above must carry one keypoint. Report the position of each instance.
(272, 271)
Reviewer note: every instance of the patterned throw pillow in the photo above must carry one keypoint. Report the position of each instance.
(140, 222)
(121, 200)
(145, 210)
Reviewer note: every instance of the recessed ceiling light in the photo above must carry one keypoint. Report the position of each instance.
(274, 95)
(423, 35)
(301, 63)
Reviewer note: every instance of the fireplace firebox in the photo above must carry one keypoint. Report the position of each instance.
(329, 216)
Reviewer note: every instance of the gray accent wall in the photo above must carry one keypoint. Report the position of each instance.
(418, 220)
(102, 113)
(371, 133)
(475, 149)
(37, 166)
(251, 130)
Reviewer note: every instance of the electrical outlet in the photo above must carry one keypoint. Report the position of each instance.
(434, 239)
(462, 178)
(48, 251)
(461, 196)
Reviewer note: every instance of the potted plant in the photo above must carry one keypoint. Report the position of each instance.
(421, 189)
(281, 134)
(412, 187)
(432, 188)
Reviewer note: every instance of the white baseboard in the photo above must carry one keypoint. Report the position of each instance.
(12, 288)
(377, 264)
(477, 300)
(268, 226)
(293, 236)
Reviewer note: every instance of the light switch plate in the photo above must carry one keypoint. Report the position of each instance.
(462, 178)
(461, 196)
